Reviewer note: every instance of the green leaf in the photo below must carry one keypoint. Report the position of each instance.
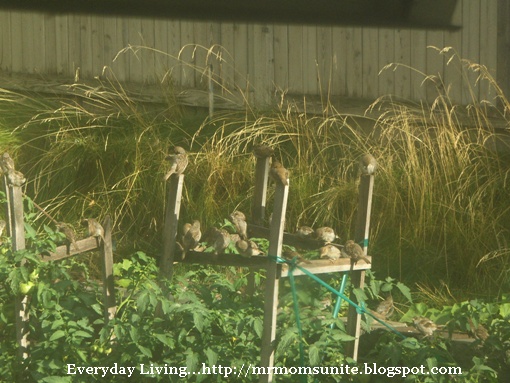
(314, 355)
(198, 319)
(57, 335)
(29, 231)
(191, 361)
(258, 326)
(56, 379)
(145, 351)
(133, 333)
(212, 356)
(406, 292)
(81, 334)
(504, 310)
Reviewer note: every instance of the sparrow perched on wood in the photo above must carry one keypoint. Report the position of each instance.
(239, 220)
(263, 151)
(330, 252)
(221, 239)
(95, 229)
(325, 234)
(6, 163)
(385, 308)
(191, 238)
(16, 178)
(305, 232)
(178, 162)
(355, 252)
(368, 164)
(69, 233)
(291, 255)
(248, 248)
(278, 173)
(479, 332)
(425, 326)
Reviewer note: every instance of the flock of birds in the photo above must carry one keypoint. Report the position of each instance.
(221, 239)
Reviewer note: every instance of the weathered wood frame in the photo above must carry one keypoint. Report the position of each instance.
(277, 237)
(15, 215)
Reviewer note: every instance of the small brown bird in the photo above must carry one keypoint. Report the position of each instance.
(263, 151)
(425, 326)
(239, 220)
(178, 162)
(192, 237)
(330, 252)
(6, 163)
(16, 178)
(291, 254)
(234, 237)
(248, 248)
(479, 332)
(278, 173)
(95, 229)
(355, 252)
(221, 241)
(325, 234)
(385, 308)
(305, 232)
(70, 237)
(368, 164)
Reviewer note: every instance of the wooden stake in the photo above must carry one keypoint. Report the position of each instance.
(259, 198)
(272, 279)
(17, 229)
(110, 308)
(172, 211)
(358, 277)
(258, 211)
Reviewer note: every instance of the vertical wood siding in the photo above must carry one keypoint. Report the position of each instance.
(262, 58)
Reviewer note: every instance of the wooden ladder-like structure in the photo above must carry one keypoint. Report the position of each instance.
(15, 222)
(276, 235)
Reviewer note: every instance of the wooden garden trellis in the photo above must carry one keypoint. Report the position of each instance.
(13, 182)
(277, 236)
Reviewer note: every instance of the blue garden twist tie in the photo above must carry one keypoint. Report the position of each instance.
(360, 308)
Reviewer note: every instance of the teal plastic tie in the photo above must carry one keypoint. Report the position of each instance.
(360, 309)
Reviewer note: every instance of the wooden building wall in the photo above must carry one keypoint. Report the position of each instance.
(342, 61)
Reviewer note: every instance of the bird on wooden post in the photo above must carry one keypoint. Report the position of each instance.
(425, 326)
(355, 252)
(368, 164)
(178, 162)
(479, 332)
(221, 239)
(330, 252)
(278, 173)
(239, 220)
(263, 151)
(247, 248)
(325, 234)
(95, 229)
(70, 236)
(305, 232)
(385, 308)
(291, 255)
(6, 163)
(191, 238)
